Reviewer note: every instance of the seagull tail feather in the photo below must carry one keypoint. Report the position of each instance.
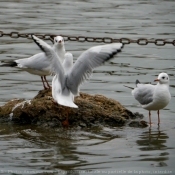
(128, 87)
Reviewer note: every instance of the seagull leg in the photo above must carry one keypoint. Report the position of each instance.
(158, 117)
(54, 102)
(66, 122)
(150, 117)
(47, 82)
(43, 83)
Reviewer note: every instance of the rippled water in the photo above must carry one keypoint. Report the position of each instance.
(31, 150)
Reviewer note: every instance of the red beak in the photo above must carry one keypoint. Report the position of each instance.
(60, 41)
(156, 79)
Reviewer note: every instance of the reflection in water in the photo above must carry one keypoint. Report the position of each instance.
(30, 148)
(154, 140)
(66, 150)
(37, 149)
(61, 148)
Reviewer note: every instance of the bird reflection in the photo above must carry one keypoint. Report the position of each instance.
(152, 143)
(153, 140)
(57, 147)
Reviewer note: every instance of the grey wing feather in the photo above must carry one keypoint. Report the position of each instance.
(56, 65)
(143, 93)
(89, 60)
(38, 62)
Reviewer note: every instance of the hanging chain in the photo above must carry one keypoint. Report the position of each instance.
(140, 41)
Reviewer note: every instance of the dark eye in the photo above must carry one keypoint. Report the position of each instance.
(55, 40)
(163, 77)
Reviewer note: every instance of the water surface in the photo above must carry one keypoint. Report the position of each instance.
(32, 150)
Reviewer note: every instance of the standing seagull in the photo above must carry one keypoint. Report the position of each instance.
(153, 97)
(39, 64)
(67, 79)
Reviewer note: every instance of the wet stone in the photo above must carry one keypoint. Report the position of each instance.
(92, 110)
(138, 124)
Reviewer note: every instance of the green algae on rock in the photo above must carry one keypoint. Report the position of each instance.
(92, 110)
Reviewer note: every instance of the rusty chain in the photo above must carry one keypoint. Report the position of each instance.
(140, 41)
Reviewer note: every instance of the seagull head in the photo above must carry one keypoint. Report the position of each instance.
(59, 40)
(163, 78)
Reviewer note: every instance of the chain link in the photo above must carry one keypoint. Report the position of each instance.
(107, 40)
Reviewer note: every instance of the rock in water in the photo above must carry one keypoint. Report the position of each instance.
(92, 110)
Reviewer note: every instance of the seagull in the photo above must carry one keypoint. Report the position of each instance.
(39, 64)
(153, 97)
(65, 100)
(68, 76)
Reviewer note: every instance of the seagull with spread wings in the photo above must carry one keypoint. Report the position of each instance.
(68, 76)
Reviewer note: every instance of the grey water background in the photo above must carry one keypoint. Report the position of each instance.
(31, 150)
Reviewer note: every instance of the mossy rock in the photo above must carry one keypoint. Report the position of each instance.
(92, 110)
